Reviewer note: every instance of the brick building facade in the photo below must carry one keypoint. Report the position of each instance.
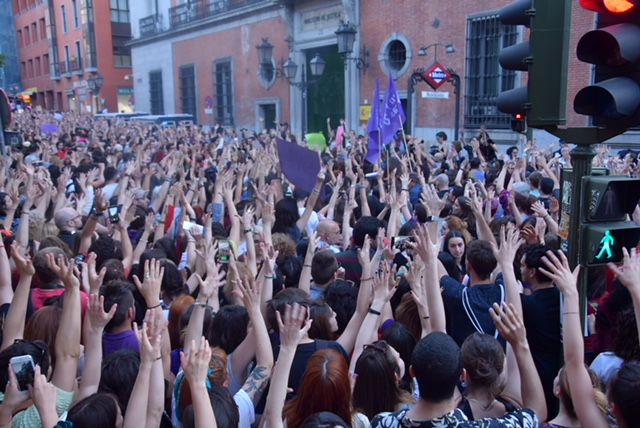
(190, 55)
(64, 44)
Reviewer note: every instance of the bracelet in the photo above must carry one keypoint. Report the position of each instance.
(366, 279)
(374, 312)
(426, 317)
(201, 304)
(248, 231)
(159, 358)
(268, 277)
(306, 265)
(569, 313)
(404, 190)
(156, 306)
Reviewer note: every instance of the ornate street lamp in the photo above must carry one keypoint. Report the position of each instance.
(346, 35)
(265, 51)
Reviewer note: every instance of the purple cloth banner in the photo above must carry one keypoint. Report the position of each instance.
(49, 128)
(299, 164)
(394, 116)
(373, 129)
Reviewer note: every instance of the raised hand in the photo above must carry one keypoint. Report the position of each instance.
(150, 288)
(98, 318)
(557, 268)
(23, 263)
(508, 323)
(43, 394)
(629, 273)
(293, 325)
(67, 272)
(384, 285)
(195, 363)
(510, 241)
(95, 278)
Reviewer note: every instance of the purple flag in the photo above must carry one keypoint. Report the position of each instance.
(393, 116)
(373, 129)
(299, 164)
(49, 128)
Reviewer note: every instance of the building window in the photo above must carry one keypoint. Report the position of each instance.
(38, 67)
(485, 79)
(30, 68)
(224, 92)
(45, 64)
(34, 32)
(20, 41)
(188, 90)
(155, 92)
(64, 18)
(121, 59)
(78, 56)
(120, 11)
(395, 55)
(27, 38)
(67, 60)
(76, 19)
(43, 29)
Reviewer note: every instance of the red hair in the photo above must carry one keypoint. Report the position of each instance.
(324, 387)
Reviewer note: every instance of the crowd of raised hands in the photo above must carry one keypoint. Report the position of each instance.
(158, 277)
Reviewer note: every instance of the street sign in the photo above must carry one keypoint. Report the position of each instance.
(435, 95)
(5, 109)
(208, 111)
(436, 75)
(365, 112)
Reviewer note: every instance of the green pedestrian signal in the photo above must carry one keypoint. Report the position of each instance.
(605, 227)
(607, 242)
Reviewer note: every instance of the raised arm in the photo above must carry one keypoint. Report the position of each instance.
(509, 244)
(293, 326)
(511, 327)
(67, 349)
(14, 322)
(305, 276)
(557, 268)
(257, 381)
(428, 252)
(196, 365)
(311, 201)
(94, 322)
(629, 276)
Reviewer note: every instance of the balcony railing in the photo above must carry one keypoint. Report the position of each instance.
(150, 25)
(64, 68)
(201, 9)
(76, 65)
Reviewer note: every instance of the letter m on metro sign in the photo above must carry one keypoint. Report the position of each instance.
(436, 75)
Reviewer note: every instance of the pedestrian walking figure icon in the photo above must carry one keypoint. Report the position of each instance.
(607, 241)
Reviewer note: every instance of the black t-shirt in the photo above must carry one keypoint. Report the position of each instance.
(541, 312)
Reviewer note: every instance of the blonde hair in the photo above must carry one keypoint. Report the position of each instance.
(565, 393)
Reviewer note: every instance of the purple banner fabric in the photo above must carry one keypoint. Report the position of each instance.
(373, 129)
(394, 116)
(49, 128)
(299, 164)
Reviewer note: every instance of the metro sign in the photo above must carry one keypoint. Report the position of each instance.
(436, 75)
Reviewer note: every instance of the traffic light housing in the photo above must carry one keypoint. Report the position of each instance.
(519, 123)
(614, 100)
(604, 228)
(544, 57)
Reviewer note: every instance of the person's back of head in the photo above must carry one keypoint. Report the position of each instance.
(118, 292)
(441, 135)
(535, 178)
(342, 297)
(119, 372)
(288, 296)
(400, 338)
(325, 386)
(546, 185)
(366, 225)
(62, 217)
(105, 248)
(110, 173)
(46, 275)
(115, 270)
(324, 420)
(481, 259)
(323, 266)
(98, 410)
(483, 360)
(436, 366)
(625, 394)
(229, 327)
(533, 256)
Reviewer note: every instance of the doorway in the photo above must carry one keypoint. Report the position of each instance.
(325, 98)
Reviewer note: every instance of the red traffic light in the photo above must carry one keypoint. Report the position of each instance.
(519, 116)
(611, 6)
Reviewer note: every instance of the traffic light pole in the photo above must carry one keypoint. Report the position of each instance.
(581, 161)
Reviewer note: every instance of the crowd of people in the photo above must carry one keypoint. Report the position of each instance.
(174, 277)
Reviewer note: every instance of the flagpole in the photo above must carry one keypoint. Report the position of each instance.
(406, 148)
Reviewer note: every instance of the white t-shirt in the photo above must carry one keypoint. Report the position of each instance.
(313, 222)
(245, 408)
